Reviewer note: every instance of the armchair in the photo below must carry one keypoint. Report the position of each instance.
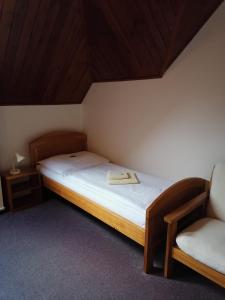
(200, 246)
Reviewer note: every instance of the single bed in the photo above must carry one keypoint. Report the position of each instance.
(88, 189)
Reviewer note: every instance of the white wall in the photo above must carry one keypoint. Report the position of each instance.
(174, 126)
(21, 124)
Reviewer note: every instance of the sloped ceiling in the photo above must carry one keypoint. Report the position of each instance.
(52, 50)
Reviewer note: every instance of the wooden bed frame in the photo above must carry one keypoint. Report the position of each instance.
(152, 236)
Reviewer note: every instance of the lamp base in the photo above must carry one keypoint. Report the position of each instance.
(15, 171)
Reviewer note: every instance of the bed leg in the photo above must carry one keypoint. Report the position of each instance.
(171, 234)
(148, 259)
(168, 268)
(149, 247)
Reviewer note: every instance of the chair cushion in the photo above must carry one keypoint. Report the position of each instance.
(216, 206)
(204, 240)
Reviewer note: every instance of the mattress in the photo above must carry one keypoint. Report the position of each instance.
(129, 201)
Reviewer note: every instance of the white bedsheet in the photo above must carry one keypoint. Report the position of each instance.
(129, 201)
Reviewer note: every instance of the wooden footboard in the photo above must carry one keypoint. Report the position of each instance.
(155, 230)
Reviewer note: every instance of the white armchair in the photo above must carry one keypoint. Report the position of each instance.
(200, 246)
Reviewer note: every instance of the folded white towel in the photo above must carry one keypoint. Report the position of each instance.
(132, 179)
(113, 175)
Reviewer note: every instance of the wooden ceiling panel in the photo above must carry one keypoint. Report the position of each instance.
(128, 38)
(196, 11)
(52, 50)
(68, 60)
(42, 30)
(44, 39)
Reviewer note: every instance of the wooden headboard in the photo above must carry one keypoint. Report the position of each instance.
(57, 142)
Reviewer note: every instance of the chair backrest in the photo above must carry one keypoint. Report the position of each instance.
(216, 205)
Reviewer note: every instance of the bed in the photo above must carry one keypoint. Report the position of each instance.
(149, 233)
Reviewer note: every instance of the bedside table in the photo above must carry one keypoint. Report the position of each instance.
(22, 190)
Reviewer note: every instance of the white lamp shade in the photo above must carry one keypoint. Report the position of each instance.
(19, 157)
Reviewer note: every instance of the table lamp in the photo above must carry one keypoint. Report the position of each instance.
(16, 159)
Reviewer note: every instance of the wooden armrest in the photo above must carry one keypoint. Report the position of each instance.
(186, 208)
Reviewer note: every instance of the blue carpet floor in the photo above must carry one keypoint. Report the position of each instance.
(56, 251)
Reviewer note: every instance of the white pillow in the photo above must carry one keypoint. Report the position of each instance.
(67, 164)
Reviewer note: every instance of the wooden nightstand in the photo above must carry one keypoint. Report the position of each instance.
(22, 190)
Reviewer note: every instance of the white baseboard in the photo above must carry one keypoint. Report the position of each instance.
(2, 208)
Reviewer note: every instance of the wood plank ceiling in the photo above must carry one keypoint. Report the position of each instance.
(52, 50)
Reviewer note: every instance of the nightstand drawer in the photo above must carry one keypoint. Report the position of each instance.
(27, 199)
(25, 183)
